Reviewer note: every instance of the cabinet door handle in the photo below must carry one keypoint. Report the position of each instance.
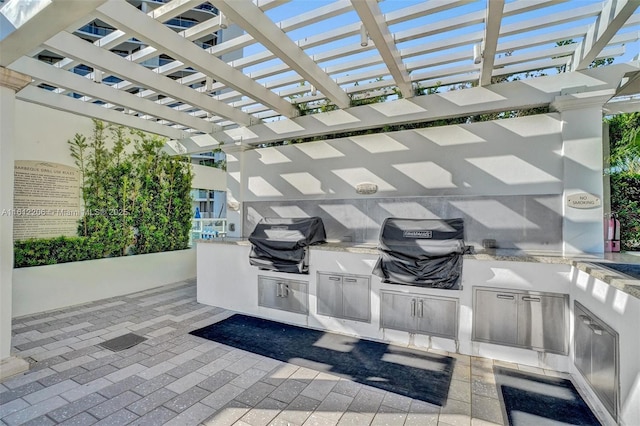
(278, 289)
(421, 308)
(285, 293)
(596, 330)
(350, 280)
(505, 296)
(334, 278)
(413, 307)
(530, 299)
(585, 319)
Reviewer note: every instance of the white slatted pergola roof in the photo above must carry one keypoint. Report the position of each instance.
(145, 69)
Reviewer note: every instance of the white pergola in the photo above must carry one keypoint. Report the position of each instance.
(296, 52)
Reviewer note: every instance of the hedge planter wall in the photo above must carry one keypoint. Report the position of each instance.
(56, 286)
(136, 200)
(624, 171)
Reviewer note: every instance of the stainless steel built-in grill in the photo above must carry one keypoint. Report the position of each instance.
(281, 244)
(421, 252)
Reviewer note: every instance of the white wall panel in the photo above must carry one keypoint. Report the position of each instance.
(505, 157)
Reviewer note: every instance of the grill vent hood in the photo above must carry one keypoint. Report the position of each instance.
(281, 244)
(421, 252)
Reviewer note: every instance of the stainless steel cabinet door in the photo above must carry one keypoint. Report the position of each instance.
(437, 316)
(397, 311)
(542, 322)
(596, 356)
(603, 366)
(329, 293)
(434, 316)
(356, 297)
(495, 317)
(582, 339)
(287, 295)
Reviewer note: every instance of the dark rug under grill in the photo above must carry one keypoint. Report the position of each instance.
(536, 400)
(412, 373)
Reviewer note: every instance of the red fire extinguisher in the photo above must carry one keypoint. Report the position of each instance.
(612, 234)
(616, 234)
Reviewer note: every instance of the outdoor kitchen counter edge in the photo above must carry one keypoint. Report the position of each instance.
(583, 262)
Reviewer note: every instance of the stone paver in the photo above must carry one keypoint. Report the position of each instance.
(79, 406)
(177, 379)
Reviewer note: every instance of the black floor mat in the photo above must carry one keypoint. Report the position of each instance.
(404, 371)
(123, 342)
(536, 400)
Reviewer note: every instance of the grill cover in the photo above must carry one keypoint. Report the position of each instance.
(281, 244)
(421, 252)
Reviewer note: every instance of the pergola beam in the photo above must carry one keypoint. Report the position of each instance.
(53, 18)
(493, 21)
(256, 23)
(76, 83)
(612, 17)
(120, 13)
(497, 97)
(377, 29)
(72, 46)
(68, 104)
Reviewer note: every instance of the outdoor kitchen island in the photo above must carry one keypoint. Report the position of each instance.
(518, 307)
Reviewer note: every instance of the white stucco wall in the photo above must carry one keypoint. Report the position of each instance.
(42, 288)
(503, 157)
(42, 133)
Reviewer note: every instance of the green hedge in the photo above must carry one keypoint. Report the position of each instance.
(136, 199)
(625, 202)
(49, 251)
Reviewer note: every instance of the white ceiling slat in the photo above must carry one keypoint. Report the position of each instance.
(531, 66)
(374, 22)
(612, 17)
(422, 9)
(544, 59)
(440, 27)
(493, 22)
(72, 46)
(316, 15)
(79, 84)
(552, 52)
(256, 23)
(517, 7)
(67, 103)
(120, 13)
(549, 20)
(55, 17)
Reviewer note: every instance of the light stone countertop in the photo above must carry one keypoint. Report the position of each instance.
(583, 262)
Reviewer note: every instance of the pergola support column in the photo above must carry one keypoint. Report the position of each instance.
(236, 182)
(10, 83)
(583, 160)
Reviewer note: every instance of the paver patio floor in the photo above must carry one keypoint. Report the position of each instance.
(175, 378)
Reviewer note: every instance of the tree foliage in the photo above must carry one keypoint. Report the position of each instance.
(136, 200)
(624, 171)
